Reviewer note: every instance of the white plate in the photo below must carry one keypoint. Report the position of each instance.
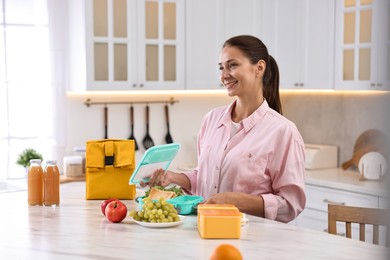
(160, 225)
(373, 165)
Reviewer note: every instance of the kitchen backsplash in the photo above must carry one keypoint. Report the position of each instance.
(335, 118)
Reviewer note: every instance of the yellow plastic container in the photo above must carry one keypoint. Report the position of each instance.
(219, 221)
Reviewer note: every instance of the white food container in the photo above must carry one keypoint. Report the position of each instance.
(73, 166)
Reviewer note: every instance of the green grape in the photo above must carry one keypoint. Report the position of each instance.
(156, 212)
(173, 215)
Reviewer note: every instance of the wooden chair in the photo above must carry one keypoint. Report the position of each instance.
(362, 216)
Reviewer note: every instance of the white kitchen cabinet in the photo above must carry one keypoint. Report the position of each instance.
(134, 44)
(315, 215)
(209, 23)
(303, 43)
(362, 45)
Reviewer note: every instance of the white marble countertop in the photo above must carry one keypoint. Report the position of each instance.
(347, 180)
(78, 230)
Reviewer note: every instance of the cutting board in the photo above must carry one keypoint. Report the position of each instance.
(372, 140)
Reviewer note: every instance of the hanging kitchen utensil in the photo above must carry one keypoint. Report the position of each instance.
(168, 137)
(147, 141)
(369, 141)
(105, 122)
(131, 137)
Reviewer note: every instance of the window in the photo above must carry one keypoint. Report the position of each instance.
(27, 107)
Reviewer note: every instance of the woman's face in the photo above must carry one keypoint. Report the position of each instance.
(237, 74)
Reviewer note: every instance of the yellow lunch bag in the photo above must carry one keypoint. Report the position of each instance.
(109, 166)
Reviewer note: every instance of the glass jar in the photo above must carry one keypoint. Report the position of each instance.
(51, 177)
(35, 183)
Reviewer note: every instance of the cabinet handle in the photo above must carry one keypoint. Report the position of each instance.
(296, 84)
(333, 202)
(301, 84)
(134, 85)
(372, 85)
(141, 85)
(379, 84)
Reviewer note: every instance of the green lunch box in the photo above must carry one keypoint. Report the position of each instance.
(185, 204)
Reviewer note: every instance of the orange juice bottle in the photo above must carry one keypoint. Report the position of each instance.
(51, 177)
(35, 183)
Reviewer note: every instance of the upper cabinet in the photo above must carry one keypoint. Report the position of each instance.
(303, 42)
(362, 45)
(134, 44)
(220, 20)
(175, 44)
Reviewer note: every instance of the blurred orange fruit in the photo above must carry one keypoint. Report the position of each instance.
(226, 252)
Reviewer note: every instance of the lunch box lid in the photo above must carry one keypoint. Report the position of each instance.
(156, 157)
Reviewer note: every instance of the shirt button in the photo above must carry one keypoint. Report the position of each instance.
(216, 167)
(250, 155)
(215, 187)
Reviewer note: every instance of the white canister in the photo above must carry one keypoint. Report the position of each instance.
(73, 166)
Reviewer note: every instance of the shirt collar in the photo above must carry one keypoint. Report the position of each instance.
(248, 122)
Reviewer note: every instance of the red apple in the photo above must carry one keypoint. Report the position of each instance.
(104, 205)
(116, 211)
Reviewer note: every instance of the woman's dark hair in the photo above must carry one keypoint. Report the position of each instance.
(255, 50)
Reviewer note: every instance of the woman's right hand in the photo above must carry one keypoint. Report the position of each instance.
(159, 178)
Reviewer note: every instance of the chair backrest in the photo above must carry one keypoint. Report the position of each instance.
(362, 216)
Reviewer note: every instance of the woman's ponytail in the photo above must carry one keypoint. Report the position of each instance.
(271, 85)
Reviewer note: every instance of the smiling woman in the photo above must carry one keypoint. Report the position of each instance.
(29, 88)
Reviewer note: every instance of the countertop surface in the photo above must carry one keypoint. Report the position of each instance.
(347, 180)
(78, 230)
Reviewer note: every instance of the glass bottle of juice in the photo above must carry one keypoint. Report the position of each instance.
(35, 183)
(51, 177)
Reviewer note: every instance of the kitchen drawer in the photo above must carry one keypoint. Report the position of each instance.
(318, 198)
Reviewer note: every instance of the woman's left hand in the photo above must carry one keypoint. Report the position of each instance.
(250, 204)
(222, 198)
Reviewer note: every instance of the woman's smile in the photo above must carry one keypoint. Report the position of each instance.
(230, 84)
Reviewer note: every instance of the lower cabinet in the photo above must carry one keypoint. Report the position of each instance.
(315, 215)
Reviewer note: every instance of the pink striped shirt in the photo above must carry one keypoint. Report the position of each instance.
(265, 158)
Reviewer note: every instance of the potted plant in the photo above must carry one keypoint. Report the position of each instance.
(26, 155)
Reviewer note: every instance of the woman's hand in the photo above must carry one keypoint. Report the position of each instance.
(164, 178)
(222, 198)
(159, 178)
(250, 204)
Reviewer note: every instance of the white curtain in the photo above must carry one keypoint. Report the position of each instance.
(32, 81)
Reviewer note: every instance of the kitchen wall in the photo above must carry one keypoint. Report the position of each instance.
(335, 118)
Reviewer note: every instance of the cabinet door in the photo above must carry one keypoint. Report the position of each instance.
(304, 45)
(240, 17)
(362, 40)
(161, 44)
(108, 41)
(221, 19)
(202, 44)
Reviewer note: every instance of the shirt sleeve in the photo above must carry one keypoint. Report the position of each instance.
(288, 198)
